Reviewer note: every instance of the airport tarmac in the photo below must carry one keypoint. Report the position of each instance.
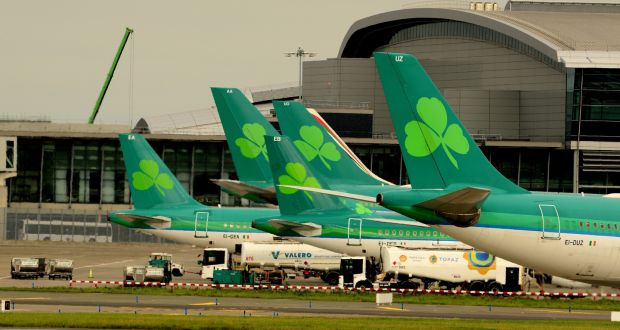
(193, 305)
(106, 260)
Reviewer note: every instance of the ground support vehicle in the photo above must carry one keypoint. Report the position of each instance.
(213, 259)
(274, 256)
(24, 268)
(42, 266)
(444, 268)
(357, 272)
(60, 268)
(160, 268)
(134, 273)
(228, 276)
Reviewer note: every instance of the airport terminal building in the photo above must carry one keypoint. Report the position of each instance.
(537, 83)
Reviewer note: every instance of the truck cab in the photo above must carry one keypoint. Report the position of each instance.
(213, 259)
(356, 272)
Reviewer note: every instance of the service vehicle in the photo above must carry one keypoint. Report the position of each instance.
(24, 268)
(160, 268)
(60, 268)
(134, 273)
(450, 268)
(356, 272)
(212, 260)
(273, 256)
(42, 266)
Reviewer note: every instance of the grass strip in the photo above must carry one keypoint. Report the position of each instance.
(177, 322)
(416, 298)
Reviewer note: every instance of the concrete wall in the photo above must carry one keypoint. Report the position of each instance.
(493, 89)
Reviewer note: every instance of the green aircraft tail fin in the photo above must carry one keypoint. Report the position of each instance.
(151, 183)
(289, 168)
(436, 147)
(245, 130)
(321, 146)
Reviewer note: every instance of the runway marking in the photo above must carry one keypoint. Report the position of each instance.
(238, 310)
(105, 264)
(559, 311)
(203, 304)
(391, 308)
(31, 298)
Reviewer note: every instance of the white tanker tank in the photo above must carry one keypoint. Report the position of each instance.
(289, 255)
(283, 254)
(467, 268)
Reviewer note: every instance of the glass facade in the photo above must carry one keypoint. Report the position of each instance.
(350, 125)
(597, 93)
(535, 169)
(92, 171)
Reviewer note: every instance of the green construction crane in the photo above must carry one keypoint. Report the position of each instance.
(106, 84)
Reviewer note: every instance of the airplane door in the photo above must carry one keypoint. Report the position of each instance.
(550, 221)
(201, 224)
(354, 233)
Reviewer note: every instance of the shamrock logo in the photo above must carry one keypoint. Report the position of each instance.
(423, 138)
(360, 208)
(296, 176)
(149, 176)
(253, 142)
(311, 145)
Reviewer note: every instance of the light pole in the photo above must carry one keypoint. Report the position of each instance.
(300, 53)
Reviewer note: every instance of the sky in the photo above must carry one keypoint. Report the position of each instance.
(55, 55)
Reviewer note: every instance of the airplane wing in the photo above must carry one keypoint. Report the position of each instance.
(242, 189)
(304, 229)
(461, 207)
(362, 198)
(158, 222)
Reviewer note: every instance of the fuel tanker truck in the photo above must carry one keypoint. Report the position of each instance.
(450, 268)
(273, 255)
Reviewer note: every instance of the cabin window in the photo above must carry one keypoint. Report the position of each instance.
(225, 225)
(380, 232)
(616, 226)
(393, 232)
(435, 234)
(588, 224)
(415, 233)
(609, 226)
(407, 233)
(428, 234)
(387, 232)
(580, 224)
(400, 233)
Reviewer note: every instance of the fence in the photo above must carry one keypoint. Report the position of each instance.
(68, 225)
